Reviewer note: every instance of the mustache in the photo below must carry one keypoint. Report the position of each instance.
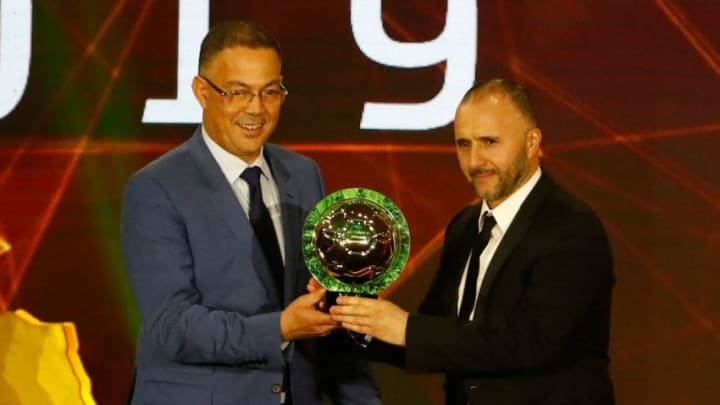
(482, 171)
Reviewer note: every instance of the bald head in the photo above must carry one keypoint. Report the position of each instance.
(503, 90)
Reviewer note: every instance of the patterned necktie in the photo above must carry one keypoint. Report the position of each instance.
(263, 226)
(470, 292)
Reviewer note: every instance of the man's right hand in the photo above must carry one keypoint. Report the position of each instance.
(302, 320)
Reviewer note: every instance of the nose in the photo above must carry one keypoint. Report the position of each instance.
(477, 156)
(255, 105)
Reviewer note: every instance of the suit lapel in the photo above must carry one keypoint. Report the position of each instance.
(223, 199)
(444, 292)
(512, 237)
(459, 260)
(290, 218)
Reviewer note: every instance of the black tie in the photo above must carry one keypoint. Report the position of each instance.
(263, 226)
(481, 240)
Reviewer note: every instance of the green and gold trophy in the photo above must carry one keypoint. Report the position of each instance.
(355, 242)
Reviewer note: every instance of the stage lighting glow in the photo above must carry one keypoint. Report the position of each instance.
(4, 246)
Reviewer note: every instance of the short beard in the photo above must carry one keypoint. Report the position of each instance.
(508, 180)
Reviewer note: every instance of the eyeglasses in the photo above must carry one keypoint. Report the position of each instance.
(235, 98)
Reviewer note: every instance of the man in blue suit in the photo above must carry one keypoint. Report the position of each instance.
(225, 320)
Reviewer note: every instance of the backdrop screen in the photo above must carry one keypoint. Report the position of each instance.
(628, 98)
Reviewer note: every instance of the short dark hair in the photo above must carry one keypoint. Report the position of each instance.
(232, 33)
(515, 92)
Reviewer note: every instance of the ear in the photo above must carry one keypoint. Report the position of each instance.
(533, 140)
(200, 90)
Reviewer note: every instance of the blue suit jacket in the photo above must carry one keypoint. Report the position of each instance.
(210, 313)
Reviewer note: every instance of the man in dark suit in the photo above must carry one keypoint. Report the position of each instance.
(519, 311)
(211, 234)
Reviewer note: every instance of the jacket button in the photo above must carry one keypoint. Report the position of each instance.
(276, 388)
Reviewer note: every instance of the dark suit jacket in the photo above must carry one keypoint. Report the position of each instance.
(210, 313)
(541, 328)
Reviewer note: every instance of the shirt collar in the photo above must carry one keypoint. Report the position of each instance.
(231, 165)
(506, 211)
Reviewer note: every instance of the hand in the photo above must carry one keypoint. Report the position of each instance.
(301, 319)
(378, 318)
(312, 286)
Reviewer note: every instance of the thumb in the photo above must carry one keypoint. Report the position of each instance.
(313, 285)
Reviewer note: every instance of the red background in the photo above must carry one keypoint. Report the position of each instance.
(628, 96)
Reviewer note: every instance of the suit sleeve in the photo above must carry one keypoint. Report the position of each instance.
(567, 278)
(160, 264)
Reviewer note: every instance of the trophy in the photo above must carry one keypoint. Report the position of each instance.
(355, 242)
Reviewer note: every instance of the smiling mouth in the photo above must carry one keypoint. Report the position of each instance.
(481, 175)
(251, 127)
